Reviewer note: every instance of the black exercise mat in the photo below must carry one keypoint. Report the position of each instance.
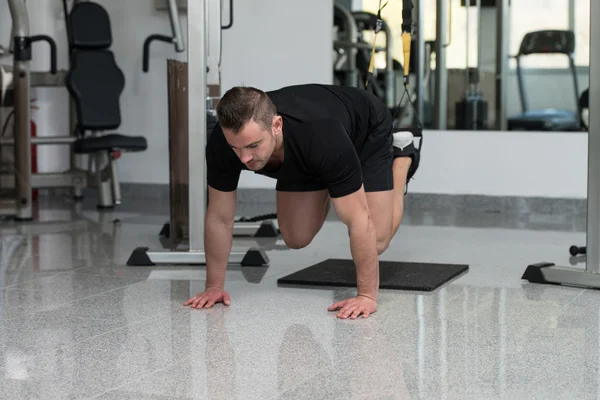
(392, 274)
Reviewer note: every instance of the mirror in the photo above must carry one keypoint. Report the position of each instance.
(543, 86)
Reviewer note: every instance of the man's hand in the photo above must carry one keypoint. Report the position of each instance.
(208, 298)
(354, 307)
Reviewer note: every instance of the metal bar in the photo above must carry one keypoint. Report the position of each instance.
(245, 228)
(59, 179)
(590, 277)
(479, 34)
(114, 180)
(390, 76)
(42, 180)
(575, 81)
(22, 132)
(189, 257)
(176, 26)
(43, 140)
(521, 82)
(212, 15)
(420, 57)
(41, 78)
(593, 202)
(8, 207)
(197, 122)
(441, 73)
(502, 40)
(350, 45)
(48, 79)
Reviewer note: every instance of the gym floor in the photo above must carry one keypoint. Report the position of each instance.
(75, 322)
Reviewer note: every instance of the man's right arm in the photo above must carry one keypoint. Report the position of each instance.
(218, 235)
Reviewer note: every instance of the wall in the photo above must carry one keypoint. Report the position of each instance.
(503, 164)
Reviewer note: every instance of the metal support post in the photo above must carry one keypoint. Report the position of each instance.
(21, 87)
(590, 277)
(441, 73)
(502, 41)
(420, 57)
(198, 35)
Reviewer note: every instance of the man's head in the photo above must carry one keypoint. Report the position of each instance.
(251, 125)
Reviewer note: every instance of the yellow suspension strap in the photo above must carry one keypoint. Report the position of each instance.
(378, 26)
(407, 22)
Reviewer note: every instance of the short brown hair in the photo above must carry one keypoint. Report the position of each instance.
(240, 104)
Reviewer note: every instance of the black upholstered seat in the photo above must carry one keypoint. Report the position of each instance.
(96, 83)
(111, 141)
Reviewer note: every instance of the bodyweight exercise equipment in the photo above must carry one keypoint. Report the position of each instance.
(548, 272)
(384, 88)
(203, 41)
(546, 42)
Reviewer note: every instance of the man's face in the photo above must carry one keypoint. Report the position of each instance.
(253, 144)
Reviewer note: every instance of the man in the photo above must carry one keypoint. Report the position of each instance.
(322, 143)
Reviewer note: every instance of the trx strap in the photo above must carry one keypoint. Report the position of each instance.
(407, 7)
(378, 26)
(407, 24)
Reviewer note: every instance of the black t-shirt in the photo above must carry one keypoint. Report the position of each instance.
(324, 130)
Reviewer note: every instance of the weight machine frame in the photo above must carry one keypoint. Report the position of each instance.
(550, 273)
(201, 73)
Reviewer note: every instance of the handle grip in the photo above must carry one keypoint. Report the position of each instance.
(52, 44)
(147, 42)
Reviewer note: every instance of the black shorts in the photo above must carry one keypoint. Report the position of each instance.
(377, 155)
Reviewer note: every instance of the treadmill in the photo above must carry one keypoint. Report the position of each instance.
(546, 42)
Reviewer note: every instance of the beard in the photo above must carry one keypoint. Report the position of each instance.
(256, 165)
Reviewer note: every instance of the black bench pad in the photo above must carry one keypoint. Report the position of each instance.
(113, 141)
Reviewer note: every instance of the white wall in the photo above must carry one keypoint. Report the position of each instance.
(503, 164)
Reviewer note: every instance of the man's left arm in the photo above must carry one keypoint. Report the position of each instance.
(334, 159)
(353, 211)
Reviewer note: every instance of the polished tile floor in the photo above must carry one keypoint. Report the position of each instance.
(76, 322)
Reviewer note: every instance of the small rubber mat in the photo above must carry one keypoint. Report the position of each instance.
(392, 274)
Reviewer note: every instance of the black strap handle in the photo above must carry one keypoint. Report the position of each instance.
(52, 43)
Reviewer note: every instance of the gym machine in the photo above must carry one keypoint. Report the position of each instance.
(384, 88)
(259, 226)
(547, 272)
(176, 39)
(103, 150)
(16, 83)
(204, 44)
(546, 42)
(345, 45)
